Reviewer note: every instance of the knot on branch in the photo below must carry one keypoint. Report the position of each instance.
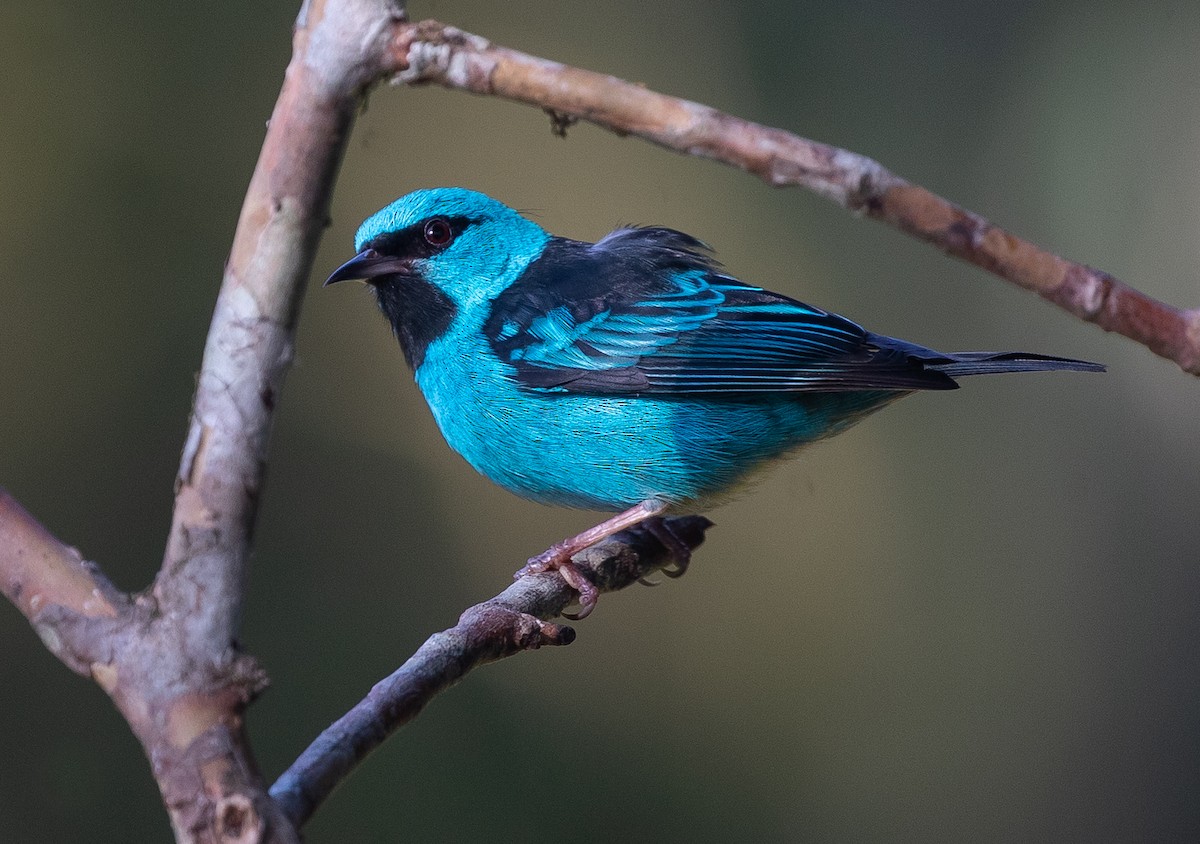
(560, 122)
(1085, 291)
(430, 50)
(865, 180)
(509, 631)
(237, 821)
(247, 676)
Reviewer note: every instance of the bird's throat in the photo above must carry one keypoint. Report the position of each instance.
(418, 311)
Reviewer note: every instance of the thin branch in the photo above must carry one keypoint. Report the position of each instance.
(431, 52)
(53, 586)
(511, 622)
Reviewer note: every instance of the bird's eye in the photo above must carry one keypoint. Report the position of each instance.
(438, 232)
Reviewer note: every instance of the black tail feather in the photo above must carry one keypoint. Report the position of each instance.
(956, 364)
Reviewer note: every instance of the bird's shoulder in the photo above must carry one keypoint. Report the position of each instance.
(622, 269)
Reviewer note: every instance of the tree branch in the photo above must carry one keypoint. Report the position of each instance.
(337, 50)
(169, 658)
(54, 587)
(431, 52)
(511, 622)
(201, 682)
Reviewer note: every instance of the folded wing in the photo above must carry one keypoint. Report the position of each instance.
(647, 311)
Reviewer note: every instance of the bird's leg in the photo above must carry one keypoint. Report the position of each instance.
(676, 547)
(558, 556)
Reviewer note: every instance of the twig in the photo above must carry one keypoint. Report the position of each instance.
(501, 627)
(431, 52)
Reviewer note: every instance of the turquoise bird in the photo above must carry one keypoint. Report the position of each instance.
(630, 375)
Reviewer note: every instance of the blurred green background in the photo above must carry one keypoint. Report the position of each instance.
(974, 617)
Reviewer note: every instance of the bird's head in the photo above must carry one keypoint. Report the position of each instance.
(437, 253)
(464, 243)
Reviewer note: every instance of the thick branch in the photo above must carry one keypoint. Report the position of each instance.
(501, 627)
(336, 53)
(168, 658)
(202, 685)
(433, 52)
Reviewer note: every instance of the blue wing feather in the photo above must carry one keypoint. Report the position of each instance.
(648, 311)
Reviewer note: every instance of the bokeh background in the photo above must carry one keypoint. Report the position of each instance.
(973, 617)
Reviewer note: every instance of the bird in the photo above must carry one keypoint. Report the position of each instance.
(632, 375)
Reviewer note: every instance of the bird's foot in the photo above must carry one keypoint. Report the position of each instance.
(558, 558)
(660, 529)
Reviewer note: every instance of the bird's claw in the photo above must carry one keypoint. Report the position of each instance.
(553, 560)
(588, 594)
(540, 564)
(660, 529)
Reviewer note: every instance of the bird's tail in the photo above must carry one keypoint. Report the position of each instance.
(955, 364)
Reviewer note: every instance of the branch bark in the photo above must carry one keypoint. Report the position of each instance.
(63, 596)
(512, 622)
(202, 682)
(431, 52)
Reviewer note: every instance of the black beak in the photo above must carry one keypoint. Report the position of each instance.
(367, 265)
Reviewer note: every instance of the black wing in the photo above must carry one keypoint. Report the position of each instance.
(647, 311)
